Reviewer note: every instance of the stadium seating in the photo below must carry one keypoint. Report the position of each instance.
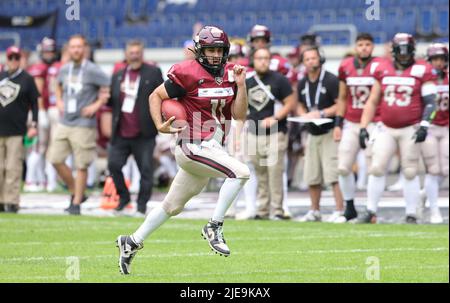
(112, 22)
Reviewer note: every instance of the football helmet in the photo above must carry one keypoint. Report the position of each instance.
(236, 49)
(259, 31)
(47, 46)
(209, 37)
(437, 50)
(403, 49)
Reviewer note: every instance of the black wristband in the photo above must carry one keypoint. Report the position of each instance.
(338, 121)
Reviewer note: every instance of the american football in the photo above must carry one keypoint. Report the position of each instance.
(172, 108)
(205, 141)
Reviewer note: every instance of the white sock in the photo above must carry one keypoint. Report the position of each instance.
(52, 176)
(411, 192)
(154, 220)
(135, 176)
(228, 192)
(347, 185)
(432, 190)
(32, 167)
(250, 191)
(375, 189)
(362, 169)
(92, 174)
(41, 170)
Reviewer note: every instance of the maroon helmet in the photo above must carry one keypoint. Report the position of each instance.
(259, 31)
(437, 50)
(403, 44)
(209, 37)
(47, 50)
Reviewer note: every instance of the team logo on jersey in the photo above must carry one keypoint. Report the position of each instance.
(8, 92)
(219, 80)
(258, 98)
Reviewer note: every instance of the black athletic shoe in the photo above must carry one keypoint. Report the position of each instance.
(73, 210)
(350, 213)
(11, 208)
(411, 219)
(213, 233)
(121, 206)
(71, 202)
(281, 217)
(368, 218)
(127, 250)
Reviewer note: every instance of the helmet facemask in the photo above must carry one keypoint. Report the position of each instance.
(403, 54)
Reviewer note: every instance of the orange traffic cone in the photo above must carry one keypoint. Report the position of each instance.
(110, 198)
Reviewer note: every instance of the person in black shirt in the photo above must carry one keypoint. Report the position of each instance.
(270, 99)
(18, 94)
(133, 130)
(317, 93)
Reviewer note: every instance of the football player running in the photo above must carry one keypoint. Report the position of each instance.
(356, 75)
(407, 105)
(211, 91)
(435, 147)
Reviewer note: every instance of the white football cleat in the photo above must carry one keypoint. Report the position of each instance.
(311, 216)
(436, 217)
(335, 216)
(213, 233)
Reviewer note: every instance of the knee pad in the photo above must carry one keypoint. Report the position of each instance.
(245, 174)
(171, 208)
(409, 172)
(433, 170)
(344, 171)
(377, 170)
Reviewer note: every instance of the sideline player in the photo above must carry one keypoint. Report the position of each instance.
(260, 37)
(435, 147)
(356, 75)
(211, 91)
(406, 107)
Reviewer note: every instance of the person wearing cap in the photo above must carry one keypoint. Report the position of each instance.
(36, 165)
(18, 94)
(83, 89)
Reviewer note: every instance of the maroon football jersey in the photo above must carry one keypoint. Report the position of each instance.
(52, 82)
(359, 82)
(442, 111)
(401, 100)
(39, 70)
(208, 99)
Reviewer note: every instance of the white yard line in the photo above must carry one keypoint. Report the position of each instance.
(224, 274)
(294, 252)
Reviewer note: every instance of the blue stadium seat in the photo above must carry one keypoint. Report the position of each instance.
(310, 18)
(425, 21)
(441, 27)
(344, 16)
(327, 16)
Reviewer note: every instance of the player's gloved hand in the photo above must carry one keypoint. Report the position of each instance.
(363, 136)
(421, 134)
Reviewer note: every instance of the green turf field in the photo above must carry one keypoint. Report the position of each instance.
(36, 249)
